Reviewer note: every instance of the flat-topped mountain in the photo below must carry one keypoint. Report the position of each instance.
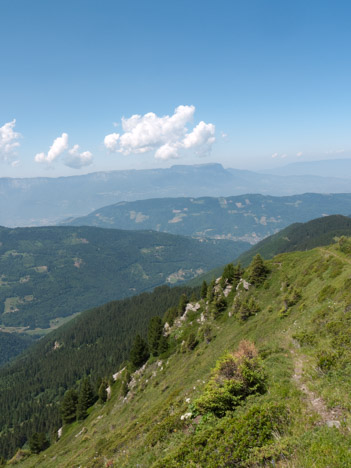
(44, 200)
(243, 217)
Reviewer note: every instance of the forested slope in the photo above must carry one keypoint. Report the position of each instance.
(53, 272)
(94, 343)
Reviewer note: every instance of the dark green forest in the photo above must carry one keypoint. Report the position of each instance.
(12, 344)
(93, 344)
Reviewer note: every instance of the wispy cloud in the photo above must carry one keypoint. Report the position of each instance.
(281, 156)
(338, 151)
(299, 154)
(73, 157)
(168, 136)
(8, 141)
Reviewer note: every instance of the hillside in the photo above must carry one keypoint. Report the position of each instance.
(96, 342)
(255, 376)
(247, 217)
(300, 236)
(50, 273)
(42, 201)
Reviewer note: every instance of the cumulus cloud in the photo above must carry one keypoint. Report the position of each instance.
(111, 140)
(77, 159)
(59, 145)
(8, 141)
(73, 157)
(167, 136)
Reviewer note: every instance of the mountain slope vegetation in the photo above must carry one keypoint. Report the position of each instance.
(94, 343)
(300, 236)
(256, 374)
(250, 217)
(49, 273)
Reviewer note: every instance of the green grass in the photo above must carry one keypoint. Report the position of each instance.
(276, 428)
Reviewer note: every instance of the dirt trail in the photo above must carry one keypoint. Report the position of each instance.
(326, 251)
(330, 417)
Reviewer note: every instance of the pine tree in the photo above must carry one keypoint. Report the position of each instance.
(257, 270)
(210, 291)
(38, 442)
(102, 393)
(154, 335)
(228, 275)
(162, 345)
(139, 353)
(85, 399)
(203, 293)
(69, 406)
(182, 304)
(238, 272)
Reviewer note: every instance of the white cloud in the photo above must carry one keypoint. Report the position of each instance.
(59, 145)
(275, 155)
(76, 160)
(283, 156)
(73, 158)
(167, 136)
(111, 140)
(201, 138)
(8, 141)
(299, 154)
(167, 151)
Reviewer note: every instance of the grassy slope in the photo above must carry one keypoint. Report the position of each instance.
(298, 236)
(145, 430)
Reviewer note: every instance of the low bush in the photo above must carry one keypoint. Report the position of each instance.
(236, 376)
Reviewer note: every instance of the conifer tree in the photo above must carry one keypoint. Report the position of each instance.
(69, 406)
(238, 272)
(154, 335)
(85, 399)
(162, 345)
(182, 304)
(102, 393)
(139, 353)
(258, 270)
(210, 291)
(203, 293)
(228, 275)
(38, 442)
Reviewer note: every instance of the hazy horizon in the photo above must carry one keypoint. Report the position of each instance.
(87, 87)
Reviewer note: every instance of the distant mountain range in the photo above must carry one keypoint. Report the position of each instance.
(339, 168)
(248, 218)
(47, 201)
(48, 273)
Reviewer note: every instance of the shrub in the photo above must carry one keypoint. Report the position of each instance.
(236, 376)
(326, 292)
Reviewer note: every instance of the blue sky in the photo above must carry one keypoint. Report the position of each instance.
(249, 79)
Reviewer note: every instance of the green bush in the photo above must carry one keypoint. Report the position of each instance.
(236, 376)
(236, 441)
(326, 293)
